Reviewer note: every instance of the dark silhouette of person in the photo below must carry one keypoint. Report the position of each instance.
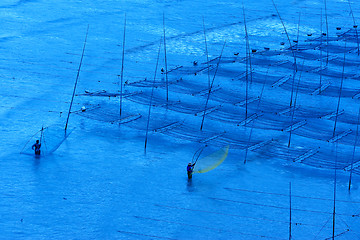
(36, 147)
(190, 168)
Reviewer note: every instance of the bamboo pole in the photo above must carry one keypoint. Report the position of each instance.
(257, 109)
(321, 36)
(166, 69)
(212, 82)
(122, 68)
(294, 107)
(355, 26)
(247, 55)
(294, 72)
(207, 54)
(334, 208)
(152, 94)
(341, 84)
(327, 35)
(355, 143)
(77, 78)
(287, 35)
(290, 220)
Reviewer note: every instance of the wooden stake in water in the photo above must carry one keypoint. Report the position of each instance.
(355, 26)
(152, 94)
(122, 68)
(41, 134)
(290, 211)
(298, 33)
(257, 110)
(334, 210)
(341, 84)
(212, 83)
(247, 55)
(294, 107)
(353, 155)
(357, 126)
(77, 77)
(327, 35)
(294, 73)
(166, 76)
(207, 54)
(287, 35)
(321, 36)
(248, 51)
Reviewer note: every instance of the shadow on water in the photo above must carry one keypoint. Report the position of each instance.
(36, 162)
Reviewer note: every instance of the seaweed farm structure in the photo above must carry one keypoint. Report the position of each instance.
(297, 104)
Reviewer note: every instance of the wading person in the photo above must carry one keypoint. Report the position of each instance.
(36, 147)
(189, 169)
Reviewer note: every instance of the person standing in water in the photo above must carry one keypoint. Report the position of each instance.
(36, 147)
(189, 169)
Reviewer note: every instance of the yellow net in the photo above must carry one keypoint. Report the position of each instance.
(211, 161)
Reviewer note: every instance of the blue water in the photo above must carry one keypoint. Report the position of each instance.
(101, 184)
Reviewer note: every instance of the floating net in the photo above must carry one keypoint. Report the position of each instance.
(240, 116)
(104, 93)
(108, 113)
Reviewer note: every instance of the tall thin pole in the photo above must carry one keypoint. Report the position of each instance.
(355, 26)
(152, 93)
(294, 72)
(247, 66)
(298, 33)
(212, 82)
(294, 107)
(341, 84)
(353, 155)
(327, 35)
(122, 67)
(292, 89)
(166, 76)
(250, 64)
(357, 126)
(248, 51)
(77, 77)
(290, 211)
(257, 109)
(334, 212)
(337, 112)
(321, 36)
(287, 35)
(207, 54)
(41, 134)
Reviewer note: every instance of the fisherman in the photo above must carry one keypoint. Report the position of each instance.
(189, 169)
(36, 147)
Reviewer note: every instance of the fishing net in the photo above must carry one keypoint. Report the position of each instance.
(104, 93)
(108, 113)
(211, 161)
(50, 139)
